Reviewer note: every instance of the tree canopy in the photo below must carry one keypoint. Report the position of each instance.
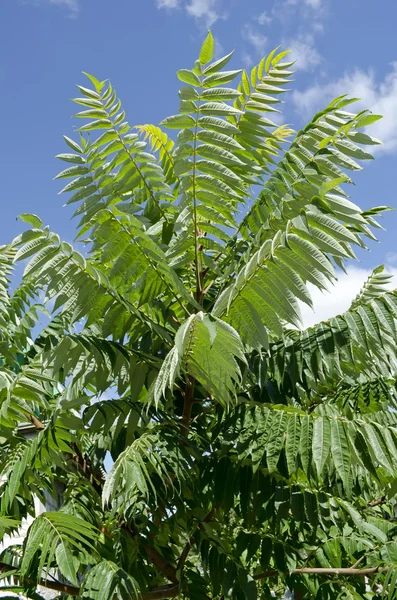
(202, 443)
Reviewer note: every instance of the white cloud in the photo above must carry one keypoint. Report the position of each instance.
(72, 5)
(295, 5)
(338, 299)
(391, 258)
(378, 96)
(304, 53)
(205, 10)
(302, 17)
(256, 39)
(247, 59)
(314, 3)
(167, 3)
(264, 18)
(219, 50)
(318, 27)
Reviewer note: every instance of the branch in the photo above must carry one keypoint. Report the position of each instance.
(163, 565)
(188, 547)
(38, 424)
(51, 585)
(158, 593)
(172, 590)
(155, 557)
(166, 591)
(79, 459)
(85, 465)
(349, 571)
(377, 502)
(187, 406)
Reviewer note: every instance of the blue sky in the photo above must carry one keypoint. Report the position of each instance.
(341, 46)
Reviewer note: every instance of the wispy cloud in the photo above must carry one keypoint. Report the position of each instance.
(378, 96)
(205, 12)
(318, 27)
(304, 52)
(338, 299)
(167, 3)
(391, 258)
(247, 59)
(255, 39)
(314, 3)
(218, 49)
(304, 17)
(72, 6)
(264, 18)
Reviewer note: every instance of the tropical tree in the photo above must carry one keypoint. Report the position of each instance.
(202, 444)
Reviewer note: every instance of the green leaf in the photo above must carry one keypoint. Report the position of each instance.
(98, 84)
(218, 108)
(220, 94)
(218, 64)
(327, 186)
(292, 442)
(106, 580)
(66, 562)
(33, 220)
(377, 446)
(73, 145)
(305, 443)
(367, 120)
(351, 149)
(72, 158)
(321, 443)
(276, 440)
(178, 122)
(97, 124)
(207, 49)
(167, 374)
(219, 139)
(340, 451)
(89, 93)
(188, 77)
(246, 83)
(218, 125)
(219, 78)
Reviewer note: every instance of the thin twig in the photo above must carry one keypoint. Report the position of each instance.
(189, 545)
(163, 565)
(158, 593)
(188, 402)
(377, 502)
(345, 571)
(38, 424)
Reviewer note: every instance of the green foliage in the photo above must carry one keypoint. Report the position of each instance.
(54, 536)
(243, 448)
(106, 579)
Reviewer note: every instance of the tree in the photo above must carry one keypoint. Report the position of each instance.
(247, 454)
